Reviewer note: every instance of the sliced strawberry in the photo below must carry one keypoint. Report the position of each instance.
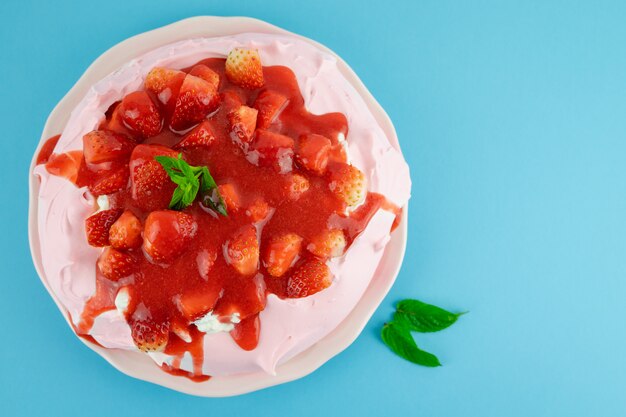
(269, 104)
(165, 84)
(309, 277)
(312, 152)
(258, 210)
(328, 244)
(348, 183)
(244, 68)
(115, 180)
(230, 196)
(125, 233)
(116, 124)
(280, 253)
(207, 74)
(196, 303)
(148, 334)
(201, 135)
(242, 251)
(151, 187)
(243, 122)
(167, 233)
(296, 186)
(140, 114)
(196, 99)
(116, 265)
(106, 146)
(274, 150)
(97, 226)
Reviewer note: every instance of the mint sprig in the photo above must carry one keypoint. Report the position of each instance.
(191, 180)
(414, 315)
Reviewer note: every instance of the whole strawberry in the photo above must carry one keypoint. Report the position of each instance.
(244, 68)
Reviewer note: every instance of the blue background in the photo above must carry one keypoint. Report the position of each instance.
(512, 116)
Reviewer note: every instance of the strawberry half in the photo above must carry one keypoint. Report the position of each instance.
(115, 181)
(196, 303)
(249, 300)
(269, 104)
(230, 196)
(105, 146)
(125, 233)
(274, 150)
(140, 114)
(201, 135)
(348, 183)
(280, 253)
(151, 187)
(312, 152)
(243, 67)
(196, 99)
(116, 124)
(167, 233)
(258, 210)
(242, 251)
(207, 74)
(243, 122)
(116, 265)
(328, 244)
(149, 335)
(97, 226)
(309, 277)
(296, 186)
(165, 84)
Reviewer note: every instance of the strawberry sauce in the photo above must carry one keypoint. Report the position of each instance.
(267, 182)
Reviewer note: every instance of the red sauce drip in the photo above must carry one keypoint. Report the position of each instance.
(159, 288)
(102, 301)
(87, 337)
(47, 149)
(246, 333)
(170, 369)
(66, 165)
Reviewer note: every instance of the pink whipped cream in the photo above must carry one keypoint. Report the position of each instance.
(288, 326)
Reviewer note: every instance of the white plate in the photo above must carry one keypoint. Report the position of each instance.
(140, 365)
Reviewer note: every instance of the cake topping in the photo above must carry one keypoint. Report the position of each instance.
(222, 189)
(140, 114)
(243, 68)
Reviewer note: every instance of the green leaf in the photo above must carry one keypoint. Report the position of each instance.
(176, 201)
(399, 339)
(212, 198)
(422, 317)
(191, 180)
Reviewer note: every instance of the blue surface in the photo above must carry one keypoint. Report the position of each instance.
(512, 116)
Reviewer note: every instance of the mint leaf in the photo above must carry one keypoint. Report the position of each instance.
(422, 317)
(191, 180)
(210, 194)
(399, 339)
